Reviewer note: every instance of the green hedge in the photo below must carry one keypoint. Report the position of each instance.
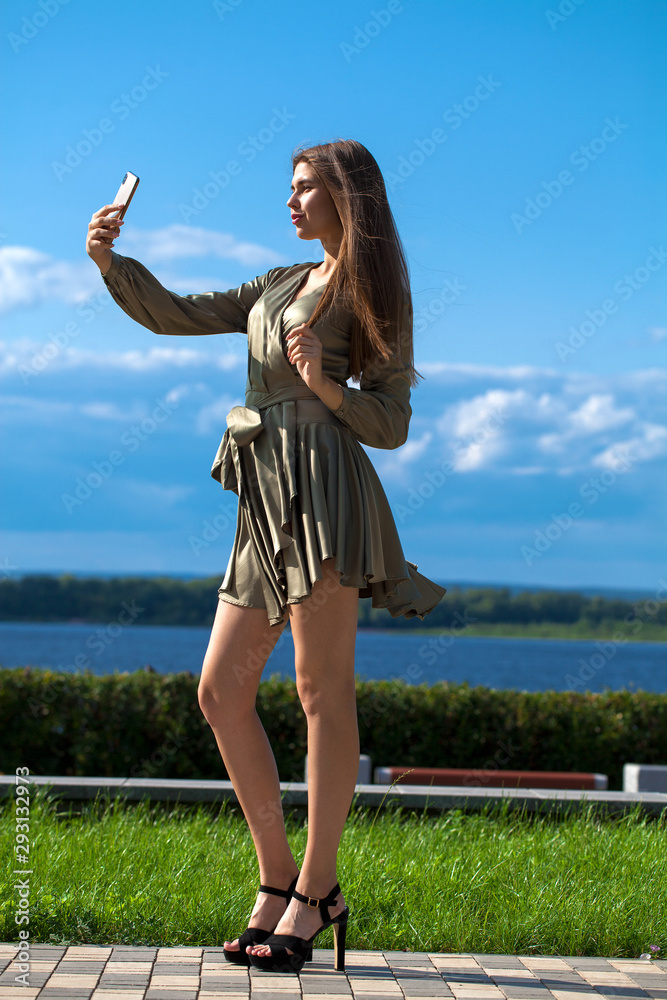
(145, 724)
(41, 597)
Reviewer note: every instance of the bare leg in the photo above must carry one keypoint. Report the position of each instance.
(324, 629)
(240, 644)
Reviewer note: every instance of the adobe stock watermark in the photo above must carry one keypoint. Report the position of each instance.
(22, 858)
(248, 150)
(121, 108)
(224, 7)
(641, 613)
(625, 288)
(590, 491)
(317, 599)
(7, 568)
(256, 659)
(435, 479)
(213, 528)
(59, 342)
(365, 33)
(130, 440)
(565, 9)
(426, 315)
(454, 117)
(429, 653)
(148, 767)
(582, 157)
(502, 757)
(32, 25)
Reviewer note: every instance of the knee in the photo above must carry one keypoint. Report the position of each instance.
(320, 697)
(219, 707)
(208, 701)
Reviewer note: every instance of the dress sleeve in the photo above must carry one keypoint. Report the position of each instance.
(145, 300)
(379, 412)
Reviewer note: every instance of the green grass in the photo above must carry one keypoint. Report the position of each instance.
(499, 881)
(649, 631)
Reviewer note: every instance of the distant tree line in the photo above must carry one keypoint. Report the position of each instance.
(167, 601)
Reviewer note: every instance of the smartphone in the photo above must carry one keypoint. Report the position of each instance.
(125, 194)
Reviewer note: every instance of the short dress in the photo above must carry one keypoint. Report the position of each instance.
(307, 490)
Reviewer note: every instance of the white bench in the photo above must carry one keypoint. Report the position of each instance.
(645, 777)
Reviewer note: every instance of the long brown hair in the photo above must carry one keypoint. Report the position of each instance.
(371, 273)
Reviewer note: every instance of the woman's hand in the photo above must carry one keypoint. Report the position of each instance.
(304, 349)
(102, 231)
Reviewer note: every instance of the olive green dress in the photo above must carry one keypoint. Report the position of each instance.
(307, 489)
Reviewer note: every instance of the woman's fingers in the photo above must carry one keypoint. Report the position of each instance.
(103, 228)
(302, 337)
(106, 210)
(297, 350)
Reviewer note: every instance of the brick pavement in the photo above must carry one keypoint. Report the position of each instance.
(120, 972)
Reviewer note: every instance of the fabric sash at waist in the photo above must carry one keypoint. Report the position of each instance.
(245, 422)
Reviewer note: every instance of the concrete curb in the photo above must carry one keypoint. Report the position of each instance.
(437, 798)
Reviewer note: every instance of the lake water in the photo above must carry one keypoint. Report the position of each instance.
(523, 664)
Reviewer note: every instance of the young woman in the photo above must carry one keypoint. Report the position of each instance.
(314, 528)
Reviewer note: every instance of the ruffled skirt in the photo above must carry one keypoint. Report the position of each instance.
(308, 492)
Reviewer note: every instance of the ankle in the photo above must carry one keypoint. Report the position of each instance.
(316, 886)
(279, 878)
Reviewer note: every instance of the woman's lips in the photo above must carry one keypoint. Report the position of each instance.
(295, 218)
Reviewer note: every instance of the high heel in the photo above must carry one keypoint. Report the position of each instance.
(256, 935)
(280, 961)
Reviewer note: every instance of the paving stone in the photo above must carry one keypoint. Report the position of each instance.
(158, 994)
(35, 981)
(137, 980)
(75, 967)
(502, 962)
(287, 994)
(117, 995)
(175, 968)
(122, 972)
(66, 992)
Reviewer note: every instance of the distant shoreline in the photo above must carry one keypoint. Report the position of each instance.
(614, 632)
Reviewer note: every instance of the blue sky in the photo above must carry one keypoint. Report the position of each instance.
(522, 143)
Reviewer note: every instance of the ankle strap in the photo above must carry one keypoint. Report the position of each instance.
(285, 893)
(323, 904)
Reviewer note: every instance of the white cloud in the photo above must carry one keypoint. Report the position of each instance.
(177, 242)
(528, 470)
(28, 276)
(562, 427)
(154, 494)
(597, 413)
(473, 428)
(21, 354)
(25, 406)
(650, 443)
(112, 411)
(212, 417)
(414, 448)
(518, 373)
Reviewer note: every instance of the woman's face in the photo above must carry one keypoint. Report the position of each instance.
(313, 211)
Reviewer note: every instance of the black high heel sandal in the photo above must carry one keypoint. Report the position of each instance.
(280, 961)
(256, 935)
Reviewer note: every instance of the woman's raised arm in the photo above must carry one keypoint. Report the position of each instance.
(145, 300)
